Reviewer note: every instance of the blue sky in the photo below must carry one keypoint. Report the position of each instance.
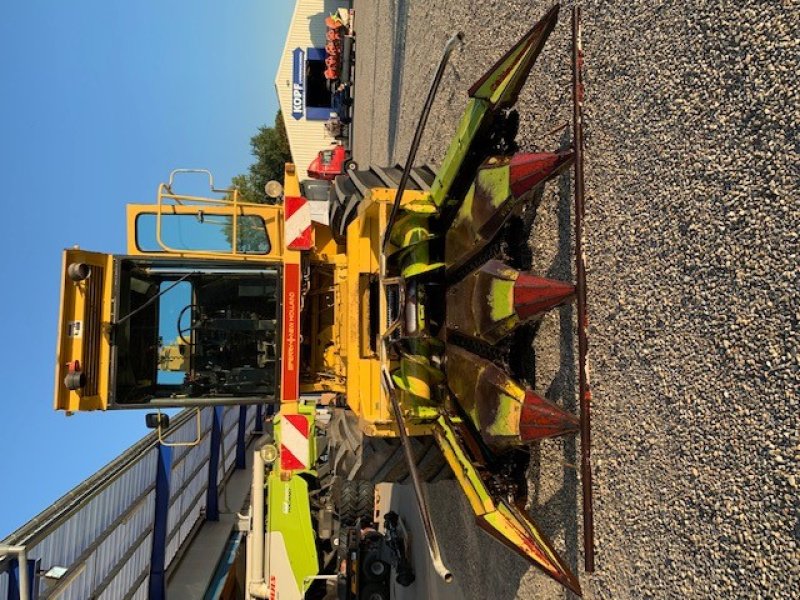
(99, 101)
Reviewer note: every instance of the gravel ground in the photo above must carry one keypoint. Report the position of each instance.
(693, 229)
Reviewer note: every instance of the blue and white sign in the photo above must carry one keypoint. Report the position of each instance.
(298, 83)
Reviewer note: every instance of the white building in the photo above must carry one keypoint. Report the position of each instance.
(302, 89)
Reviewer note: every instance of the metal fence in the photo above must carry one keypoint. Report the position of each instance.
(106, 538)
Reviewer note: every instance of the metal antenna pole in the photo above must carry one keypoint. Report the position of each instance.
(423, 119)
(584, 386)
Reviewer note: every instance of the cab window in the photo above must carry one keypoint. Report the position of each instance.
(204, 232)
(190, 336)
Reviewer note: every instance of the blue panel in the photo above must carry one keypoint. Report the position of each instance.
(158, 581)
(259, 426)
(212, 493)
(298, 83)
(13, 579)
(240, 445)
(314, 113)
(224, 567)
(316, 53)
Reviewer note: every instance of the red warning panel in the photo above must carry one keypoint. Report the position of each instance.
(297, 224)
(294, 443)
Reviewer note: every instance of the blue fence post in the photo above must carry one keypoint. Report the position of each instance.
(158, 554)
(212, 493)
(240, 438)
(259, 428)
(13, 579)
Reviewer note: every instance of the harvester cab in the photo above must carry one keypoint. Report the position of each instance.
(190, 316)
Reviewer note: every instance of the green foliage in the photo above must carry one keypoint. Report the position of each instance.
(270, 147)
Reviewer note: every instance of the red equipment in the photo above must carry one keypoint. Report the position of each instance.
(329, 163)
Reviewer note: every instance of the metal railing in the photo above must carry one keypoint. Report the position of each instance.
(104, 521)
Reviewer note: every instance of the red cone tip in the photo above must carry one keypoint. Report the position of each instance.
(541, 418)
(535, 295)
(531, 169)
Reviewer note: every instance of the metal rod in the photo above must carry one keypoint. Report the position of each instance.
(433, 545)
(584, 386)
(151, 300)
(208, 271)
(423, 119)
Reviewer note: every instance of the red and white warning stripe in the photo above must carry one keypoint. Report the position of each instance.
(294, 443)
(297, 223)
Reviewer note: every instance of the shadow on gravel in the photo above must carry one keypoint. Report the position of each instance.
(561, 509)
(482, 567)
(400, 10)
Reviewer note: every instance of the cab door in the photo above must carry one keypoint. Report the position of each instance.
(83, 347)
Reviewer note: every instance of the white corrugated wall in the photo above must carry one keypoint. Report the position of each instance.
(306, 30)
(106, 541)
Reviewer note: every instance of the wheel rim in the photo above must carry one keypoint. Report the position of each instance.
(378, 568)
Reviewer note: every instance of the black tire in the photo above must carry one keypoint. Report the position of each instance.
(356, 456)
(366, 501)
(341, 547)
(345, 500)
(373, 568)
(354, 500)
(341, 192)
(373, 591)
(349, 189)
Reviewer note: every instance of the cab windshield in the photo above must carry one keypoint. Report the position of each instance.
(195, 333)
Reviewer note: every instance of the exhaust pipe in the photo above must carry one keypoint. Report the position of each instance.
(257, 586)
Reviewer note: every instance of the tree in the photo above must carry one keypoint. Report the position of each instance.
(270, 147)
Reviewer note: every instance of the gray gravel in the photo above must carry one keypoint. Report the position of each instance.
(693, 228)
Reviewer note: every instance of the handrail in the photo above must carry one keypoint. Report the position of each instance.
(206, 171)
(162, 435)
(231, 200)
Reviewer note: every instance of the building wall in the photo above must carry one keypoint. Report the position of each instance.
(101, 532)
(307, 30)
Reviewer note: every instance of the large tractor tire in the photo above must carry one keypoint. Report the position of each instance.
(354, 500)
(354, 456)
(373, 591)
(349, 190)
